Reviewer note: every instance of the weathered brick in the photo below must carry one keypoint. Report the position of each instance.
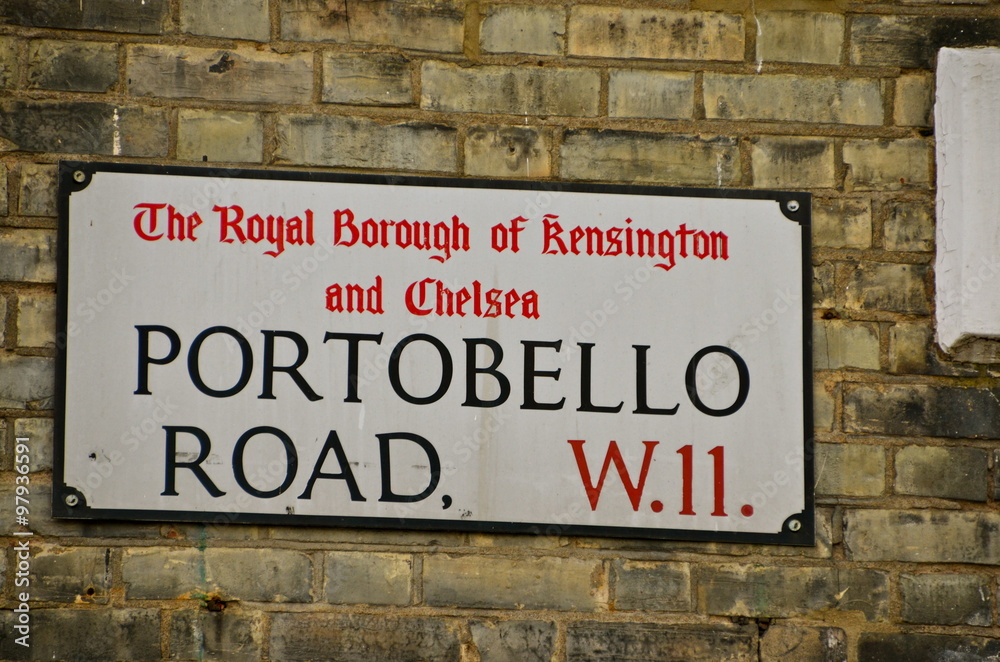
(791, 98)
(823, 406)
(80, 66)
(626, 156)
(508, 151)
(900, 288)
(513, 641)
(228, 635)
(381, 79)
(81, 574)
(783, 162)
(910, 347)
(27, 255)
(512, 90)
(84, 128)
(949, 473)
(26, 382)
(36, 320)
(38, 190)
(888, 164)
(368, 578)
(588, 641)
(166, 573)
(824, 294)
(85, 635)
(842, 223)
(850, 470)
(234, 19)
(422, 25)
(523, 29)
(3, 190)
(913, 41)
(793, 36)
(363, 143)
(917, 410)
(840, 344)
(8, 62)
(923, 536)
(910, 227)
(946, 599)
(533, 583)
(651, 585)
(659, 34)
(38, 431)
(779, 592)
(650, 94)
(3, 322)
(215, 135)
(913, 647)
(149, 17)
(221, 75)
(793, 643)
(914, 100)
(362, 638)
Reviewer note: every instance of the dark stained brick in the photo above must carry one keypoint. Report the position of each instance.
(878, 647)
(148, 17)
(589, 641)
(933, 411)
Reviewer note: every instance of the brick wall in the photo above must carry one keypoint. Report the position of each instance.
(832, 97)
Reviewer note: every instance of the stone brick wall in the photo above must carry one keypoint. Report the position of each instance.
(833, 97)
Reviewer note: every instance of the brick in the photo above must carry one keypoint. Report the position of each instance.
(914, 101)
(27, 256)
(523, 29)
(838, 344)
(824, 294)
(508, 151)
(3, 190)
(38, 190)
(921, 536)
(422, 25)
(85, 635)
(910, 347)
(363, 143)
(912, 42)
(512, 90)
(793, 98)
(589, 641)
(946, 599)
(888, 164)
(381, 79)
(650, 94)
(233, 19)
(84, 128)
(823, 406)
(81, 574)
(850, 470)
(532, 583)
(913, 647)
(949, 473)
(3, 321)
(26, 382)
(36, 320)
(916, 410)
(149, 17)
(212, 135)
(362, 638)
(658, 34)
(72, 66)
(792, 162)
(219, 75)
(368, 578)
(842, 223)
(626, 156)
(163, 573)
(792, 643)
(779, 592)
(514, 641)
(900, 288)
(651, 585)
(8, 62)
(806, 37)
(910, 227)
(39, 432)
(228, 635)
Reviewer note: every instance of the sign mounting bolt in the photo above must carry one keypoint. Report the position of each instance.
(71, 499)
(79, 176)
(794, 525)
(792, 206)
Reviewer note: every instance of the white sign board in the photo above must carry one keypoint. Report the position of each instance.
(303, 348)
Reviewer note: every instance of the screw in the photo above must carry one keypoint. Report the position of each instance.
(792, 206)
(794, 525)
(71, 500)
(79, 176)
